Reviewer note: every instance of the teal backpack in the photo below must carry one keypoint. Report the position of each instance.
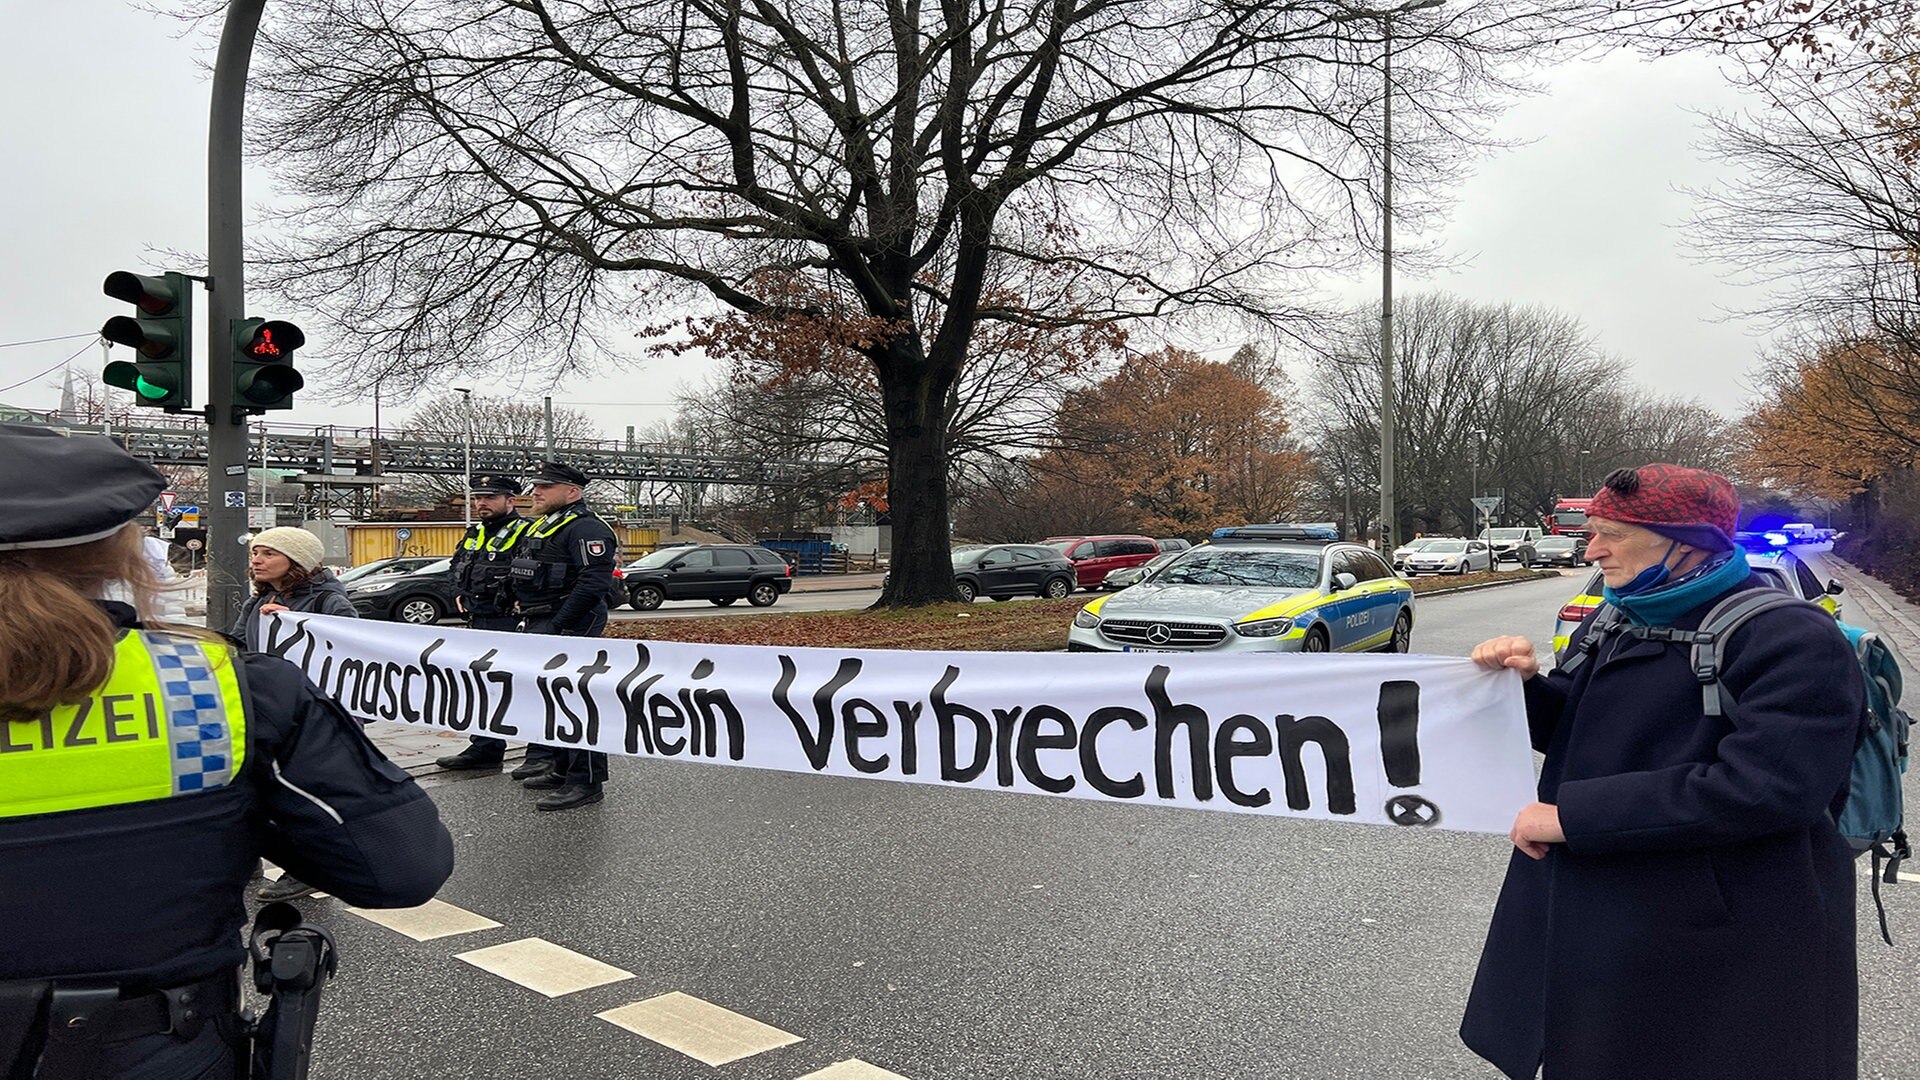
(1874, 817)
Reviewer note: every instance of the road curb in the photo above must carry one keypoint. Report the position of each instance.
(1875, 593)
(1479, 585)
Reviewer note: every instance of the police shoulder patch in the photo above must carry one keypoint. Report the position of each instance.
(596, 548)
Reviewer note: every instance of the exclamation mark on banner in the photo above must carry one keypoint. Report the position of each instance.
(1400, 732)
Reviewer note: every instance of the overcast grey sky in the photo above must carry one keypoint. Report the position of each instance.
(105, 159)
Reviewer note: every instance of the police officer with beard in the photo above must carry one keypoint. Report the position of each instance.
(561, 573)
(480, 589)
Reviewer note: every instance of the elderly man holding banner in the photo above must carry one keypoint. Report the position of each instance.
(1680, 902)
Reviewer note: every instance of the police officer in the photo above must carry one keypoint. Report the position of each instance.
(143, 773)
(562, 571)
(481, 591)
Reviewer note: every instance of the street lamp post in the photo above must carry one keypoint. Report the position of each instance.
(1584, 456)
(466, 501)
(1389, 524)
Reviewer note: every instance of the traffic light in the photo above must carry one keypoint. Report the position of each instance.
(161, 375)
(263, 374)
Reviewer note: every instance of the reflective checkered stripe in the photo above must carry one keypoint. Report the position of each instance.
(197, 725)
(169, 722)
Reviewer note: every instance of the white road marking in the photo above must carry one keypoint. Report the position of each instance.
(853, 1070)
(699, 1029)
(433, 919)
(543, 967)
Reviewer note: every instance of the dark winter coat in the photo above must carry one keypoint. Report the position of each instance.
(1699, 920)
(321, 594)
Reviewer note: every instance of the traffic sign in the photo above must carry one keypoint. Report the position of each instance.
(1487, 504)
(403, 534)
(167, 498)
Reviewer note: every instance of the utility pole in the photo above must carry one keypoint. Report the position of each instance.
(466, 408)
(226, 302)
(546, 405)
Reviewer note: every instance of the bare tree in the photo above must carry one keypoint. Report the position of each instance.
(508, 178)
(497, 421)
(1494, 400)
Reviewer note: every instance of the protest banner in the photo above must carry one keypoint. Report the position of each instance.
(1383, 739)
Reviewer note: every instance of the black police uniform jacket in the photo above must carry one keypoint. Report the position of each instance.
(149, 894)
(562, 569)
(1699, 920)
(480, 574)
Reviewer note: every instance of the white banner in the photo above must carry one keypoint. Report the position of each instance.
(1402, 740)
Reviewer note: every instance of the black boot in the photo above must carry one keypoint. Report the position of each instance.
(570, 796)
(545, 780)
(471, 758)
(532, 767)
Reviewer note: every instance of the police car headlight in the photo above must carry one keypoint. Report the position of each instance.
(382, 587)
(1086, 620)
(1263, 627)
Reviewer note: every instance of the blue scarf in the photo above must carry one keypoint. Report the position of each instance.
(1661, 605)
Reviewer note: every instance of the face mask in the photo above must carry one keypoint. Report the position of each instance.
(1652, 577)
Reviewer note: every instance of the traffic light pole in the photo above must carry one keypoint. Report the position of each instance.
(226, 295)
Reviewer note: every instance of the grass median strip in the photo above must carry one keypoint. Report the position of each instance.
(1025, 626)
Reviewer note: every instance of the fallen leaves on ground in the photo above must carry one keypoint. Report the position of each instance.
(1020, 626)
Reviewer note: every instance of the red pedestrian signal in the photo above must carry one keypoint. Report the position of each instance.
(263, 373)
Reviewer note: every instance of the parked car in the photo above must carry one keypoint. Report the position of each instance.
(1781, 569)
(716, 573)
(1133, 575)
(1004, 571)
(404, 564)
(1562, 550)
(1400, 553)
(1516, 545)
(1448, 557)
(422, 597)
(1094, 557)
(1272, 596)
(1173, 543)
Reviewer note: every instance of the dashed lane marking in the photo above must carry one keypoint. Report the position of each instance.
(853, 1070)
(699, 1029)
(433, 919)
(543, 967)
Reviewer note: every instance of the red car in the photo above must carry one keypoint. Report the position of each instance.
(1094, 557)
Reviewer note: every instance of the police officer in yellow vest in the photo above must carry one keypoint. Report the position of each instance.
(562, 572)
(481, 591)
(143, 773)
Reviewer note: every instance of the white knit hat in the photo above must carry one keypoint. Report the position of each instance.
(304, 548)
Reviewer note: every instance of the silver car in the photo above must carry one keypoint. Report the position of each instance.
(1449, 557)
(1255, 597)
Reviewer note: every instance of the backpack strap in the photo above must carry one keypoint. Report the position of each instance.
(1709, 641)
(1606, 620)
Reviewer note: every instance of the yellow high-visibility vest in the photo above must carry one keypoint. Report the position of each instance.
(169, 722)
(478, 540)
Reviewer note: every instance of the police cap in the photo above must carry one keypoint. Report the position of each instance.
(554, 472)
(495, 485)
(57, 490)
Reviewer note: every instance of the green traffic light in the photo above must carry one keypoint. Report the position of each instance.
(160, 333)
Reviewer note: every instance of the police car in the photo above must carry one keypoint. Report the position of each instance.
(1777, 567)
(1256, 596)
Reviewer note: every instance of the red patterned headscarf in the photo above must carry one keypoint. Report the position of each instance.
(1692, 506)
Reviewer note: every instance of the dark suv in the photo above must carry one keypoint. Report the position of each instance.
(717, 573)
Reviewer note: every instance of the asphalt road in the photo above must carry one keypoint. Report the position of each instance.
(954, 935)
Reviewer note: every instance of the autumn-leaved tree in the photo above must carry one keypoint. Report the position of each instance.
(1833, 418)
(1169, 444)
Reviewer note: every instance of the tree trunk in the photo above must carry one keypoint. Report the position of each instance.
(917, 414)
